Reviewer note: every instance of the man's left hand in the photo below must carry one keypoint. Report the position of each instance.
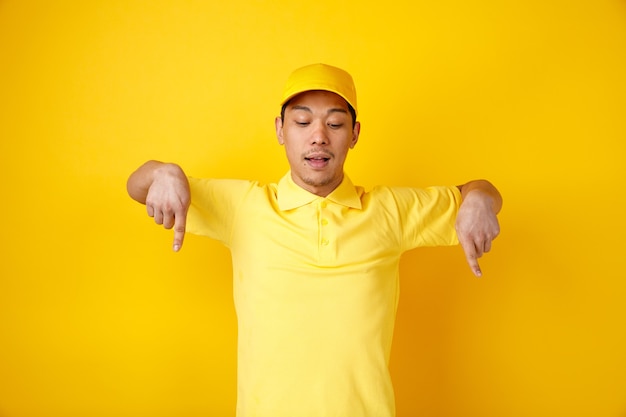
(476, 223)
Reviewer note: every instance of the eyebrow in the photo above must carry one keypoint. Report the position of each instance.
(332, 110)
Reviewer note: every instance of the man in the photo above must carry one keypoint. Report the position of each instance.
(315, 259)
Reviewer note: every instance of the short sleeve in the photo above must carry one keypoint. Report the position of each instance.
(214, 206)
(427, 216)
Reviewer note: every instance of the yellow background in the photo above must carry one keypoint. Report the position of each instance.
(99, 318)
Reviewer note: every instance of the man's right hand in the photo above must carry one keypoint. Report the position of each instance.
(164, 189)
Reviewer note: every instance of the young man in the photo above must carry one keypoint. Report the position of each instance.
(315, 258)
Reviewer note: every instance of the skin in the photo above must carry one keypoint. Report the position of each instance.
(317, 133)
(164, 189)
(477, 222)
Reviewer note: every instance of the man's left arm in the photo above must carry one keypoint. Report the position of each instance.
(477, 222)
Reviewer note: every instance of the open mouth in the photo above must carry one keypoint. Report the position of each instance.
(317, 161)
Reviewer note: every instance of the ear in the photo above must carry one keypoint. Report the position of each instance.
(355, 134)
(278, 122)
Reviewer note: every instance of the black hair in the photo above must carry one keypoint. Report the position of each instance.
(350, 109)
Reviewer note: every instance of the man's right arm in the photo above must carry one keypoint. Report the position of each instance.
(164, 189)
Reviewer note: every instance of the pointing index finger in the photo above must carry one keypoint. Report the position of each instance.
(471, 255)
(473, 263)
(179, 230)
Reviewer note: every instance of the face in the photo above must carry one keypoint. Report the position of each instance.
(317, 134)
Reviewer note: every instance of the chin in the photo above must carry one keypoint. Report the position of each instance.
(318, 180)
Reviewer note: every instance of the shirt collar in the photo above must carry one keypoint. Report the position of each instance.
(291, 195)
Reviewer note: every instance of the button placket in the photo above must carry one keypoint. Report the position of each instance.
(324, 241)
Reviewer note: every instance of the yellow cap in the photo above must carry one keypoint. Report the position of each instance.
(320, 77)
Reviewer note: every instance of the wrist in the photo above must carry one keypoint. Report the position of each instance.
(482, 192)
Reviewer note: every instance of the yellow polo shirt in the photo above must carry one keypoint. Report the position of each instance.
(315, 284)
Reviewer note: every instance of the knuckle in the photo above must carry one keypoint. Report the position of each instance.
(182, 205)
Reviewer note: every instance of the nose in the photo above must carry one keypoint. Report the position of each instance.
(319, 136)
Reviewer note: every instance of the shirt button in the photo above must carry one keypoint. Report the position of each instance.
(323, 204)
(325, 242)
(324, 222)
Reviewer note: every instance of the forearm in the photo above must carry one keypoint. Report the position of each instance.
(485, 190)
